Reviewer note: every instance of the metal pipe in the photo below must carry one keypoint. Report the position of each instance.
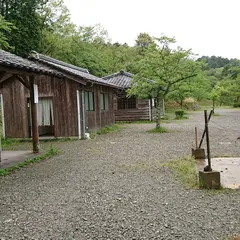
(204, 132)
(83, 114)
(34, 101)
(3, 122)
(79, 114)
(207, 139)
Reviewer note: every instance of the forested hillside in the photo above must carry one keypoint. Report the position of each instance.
(45, 26)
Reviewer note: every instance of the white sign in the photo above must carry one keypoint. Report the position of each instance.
(35, 92)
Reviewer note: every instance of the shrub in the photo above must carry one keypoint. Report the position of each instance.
(179, 113)
(236, 105)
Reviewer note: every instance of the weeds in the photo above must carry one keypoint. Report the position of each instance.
(136, 122)
(158, 130)
(185, 170)
(51, 152)
(105, 130)
(10, 142)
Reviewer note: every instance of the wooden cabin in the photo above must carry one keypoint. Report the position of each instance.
(129, 109)
(69, 100)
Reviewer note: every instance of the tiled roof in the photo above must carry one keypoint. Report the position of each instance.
(68, 68)
(11, 60)
(121, 79)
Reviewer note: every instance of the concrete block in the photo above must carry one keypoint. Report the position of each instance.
(198, 153)
(209, 180)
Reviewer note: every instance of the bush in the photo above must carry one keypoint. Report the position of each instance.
(179, 114)
(236, 105)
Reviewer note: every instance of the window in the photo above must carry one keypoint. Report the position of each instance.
(104, 101)
(89, 101)
(127, 103)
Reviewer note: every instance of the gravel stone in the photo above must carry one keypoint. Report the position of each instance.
(114, 187)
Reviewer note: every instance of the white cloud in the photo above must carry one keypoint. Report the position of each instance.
(209, 27)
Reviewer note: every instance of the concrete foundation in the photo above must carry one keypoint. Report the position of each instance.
(209, 180)
(198, 153)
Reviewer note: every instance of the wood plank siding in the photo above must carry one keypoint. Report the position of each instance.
(128, 110)
(63, 93)
(141, 112)
(99, 118)
(15, 108)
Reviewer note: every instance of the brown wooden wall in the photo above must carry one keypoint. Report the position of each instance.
(64, 95)
(99, 118)
(15, 109)
(141, 112)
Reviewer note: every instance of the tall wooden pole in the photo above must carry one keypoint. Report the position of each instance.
(34, 101)
(204, 132)
(196, 137)
(207, 139)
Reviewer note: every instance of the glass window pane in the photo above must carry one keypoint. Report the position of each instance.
(86, 101)
(102, 101)
(131, 103)
(91, 101)
(106, 101)
(121, 103)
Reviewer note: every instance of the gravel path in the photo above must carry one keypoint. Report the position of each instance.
(115, 188)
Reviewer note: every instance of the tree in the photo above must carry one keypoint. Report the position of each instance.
(5, 29)
(166, 67)
(25, 15)
(144, 40)
(215, 96)
(197, 88)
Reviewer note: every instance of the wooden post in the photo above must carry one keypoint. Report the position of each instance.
(196, 137)
(34, 101)
(204, 132)
(208, 143)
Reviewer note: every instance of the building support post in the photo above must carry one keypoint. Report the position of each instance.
(34, 101)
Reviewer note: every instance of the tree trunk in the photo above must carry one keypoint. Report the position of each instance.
(158, 117)
(181, 103)
(213, 105)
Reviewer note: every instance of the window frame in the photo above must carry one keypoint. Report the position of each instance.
(104, 101)
(89, 106)
(127, 103)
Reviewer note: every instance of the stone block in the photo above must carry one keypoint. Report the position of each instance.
(209, 180)
(198, 153)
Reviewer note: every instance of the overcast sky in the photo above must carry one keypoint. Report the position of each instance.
(208, 27)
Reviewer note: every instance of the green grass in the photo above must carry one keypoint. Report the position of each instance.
(105, 130)
(10, 142)
(181, 118)
(51, 152)
(136, 122)
(108, 129)
(158, 130)
(185, 170)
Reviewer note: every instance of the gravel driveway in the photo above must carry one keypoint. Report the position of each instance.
(114, 187)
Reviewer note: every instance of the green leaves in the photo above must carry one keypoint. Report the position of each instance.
(165, 66)
(5, 29)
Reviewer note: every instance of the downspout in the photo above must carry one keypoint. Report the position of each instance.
(79, 114)
(83, 115)
(3, 122)
(150, 109)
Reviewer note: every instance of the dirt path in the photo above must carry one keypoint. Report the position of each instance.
(115, 188)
